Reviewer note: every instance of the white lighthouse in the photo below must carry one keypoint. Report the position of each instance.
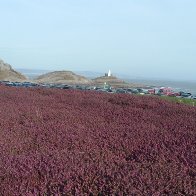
(109, 73)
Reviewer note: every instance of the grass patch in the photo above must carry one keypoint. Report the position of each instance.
(191, 102)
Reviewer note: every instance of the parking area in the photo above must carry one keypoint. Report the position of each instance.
(160, 91)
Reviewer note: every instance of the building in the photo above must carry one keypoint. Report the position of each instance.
(109, 73)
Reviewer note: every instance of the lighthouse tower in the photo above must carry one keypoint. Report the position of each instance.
(109, 73)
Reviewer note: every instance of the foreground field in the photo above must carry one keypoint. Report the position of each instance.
(80, 143)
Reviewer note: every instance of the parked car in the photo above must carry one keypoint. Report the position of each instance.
(120, 90)
(78, 87)
(142, 91)
(165, 91)
(151, 91)
(132, 91)
(9, 84)
(67, 87)
(173, 94)
(185, 94)
(102, 90)
(89, 88)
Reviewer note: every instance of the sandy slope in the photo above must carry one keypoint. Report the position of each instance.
(8, 73)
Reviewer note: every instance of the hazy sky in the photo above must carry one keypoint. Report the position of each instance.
(145, 38)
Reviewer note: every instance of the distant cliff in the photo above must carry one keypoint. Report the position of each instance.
(9, 74)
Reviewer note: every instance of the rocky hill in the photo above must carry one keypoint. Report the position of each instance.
(67, 77)
(113, 81)
(9, 74)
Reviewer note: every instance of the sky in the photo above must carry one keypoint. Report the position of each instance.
(139, 38)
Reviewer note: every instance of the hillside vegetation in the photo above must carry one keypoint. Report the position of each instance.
(64, 142)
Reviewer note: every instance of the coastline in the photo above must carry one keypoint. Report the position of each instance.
(186, 86)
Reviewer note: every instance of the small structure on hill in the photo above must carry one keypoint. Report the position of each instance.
(109, 74)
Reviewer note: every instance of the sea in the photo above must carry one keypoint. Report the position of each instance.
(185, 86)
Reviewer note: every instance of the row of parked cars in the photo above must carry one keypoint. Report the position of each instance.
(153, 91)
(167, 91)
(19, 84)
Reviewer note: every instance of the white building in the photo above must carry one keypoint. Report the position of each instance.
(109, 73)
